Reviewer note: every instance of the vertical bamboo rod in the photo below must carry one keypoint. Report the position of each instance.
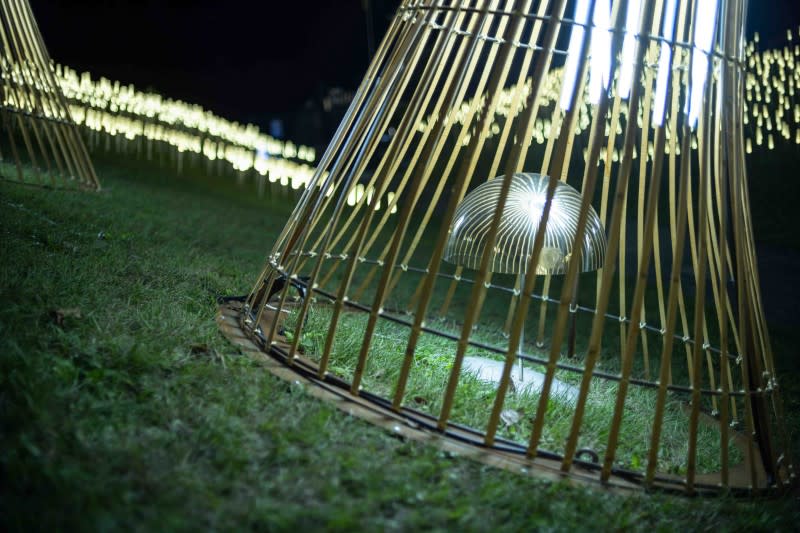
(631, 341)
(416, 108)
(86, 174)
(459, 189)
(589, 179)
(12, 51)
(737, 218)
(609, 259)
(648, 19)
(572, 438)
(482, 137)
(643, 159)
(727, 151)
(475, 149)
(478, 288)
(319, 184)
(679, 236)
(516, 101)
(356, 127)
(30, 92)
(399, 145)
(442, 135)
(760, 372)
(701, 274)
(408, 205)
(675, 148)
(365, 134)
(392, 156)
(518, 156)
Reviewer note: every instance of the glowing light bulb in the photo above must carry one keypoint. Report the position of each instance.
(536, 206)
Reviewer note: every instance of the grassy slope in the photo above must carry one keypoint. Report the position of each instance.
(139, 414)
(474, 399)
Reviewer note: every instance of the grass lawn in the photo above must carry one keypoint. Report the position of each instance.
(474, 398)
(122, 407)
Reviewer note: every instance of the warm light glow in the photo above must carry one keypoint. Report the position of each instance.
(123, 112)
(769, 72)
(536, 207)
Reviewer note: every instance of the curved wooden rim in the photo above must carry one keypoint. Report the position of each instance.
(408, 423)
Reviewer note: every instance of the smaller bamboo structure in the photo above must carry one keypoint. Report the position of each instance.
(40, 142)
(637, 104)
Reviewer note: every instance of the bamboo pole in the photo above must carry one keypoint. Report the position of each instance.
(462, 180)
(408, 204)
(365, 132)
(313, 201)
(419, 98)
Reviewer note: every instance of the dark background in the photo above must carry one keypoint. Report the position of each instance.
(251, 61)
(246, 61)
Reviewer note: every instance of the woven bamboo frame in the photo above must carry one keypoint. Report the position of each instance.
(44, 143)
(689, 284)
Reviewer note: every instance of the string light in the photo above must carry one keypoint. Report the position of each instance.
(120, 110)
(768, 72)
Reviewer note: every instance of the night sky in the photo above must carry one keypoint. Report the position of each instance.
(241, 60)
(248, 61)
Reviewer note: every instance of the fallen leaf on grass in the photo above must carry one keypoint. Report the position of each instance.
(58, 315)
(198, 348)
(204, 349)
(510, 417)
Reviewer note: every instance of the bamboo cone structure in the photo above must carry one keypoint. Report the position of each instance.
(40, 141)
(672, 337)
